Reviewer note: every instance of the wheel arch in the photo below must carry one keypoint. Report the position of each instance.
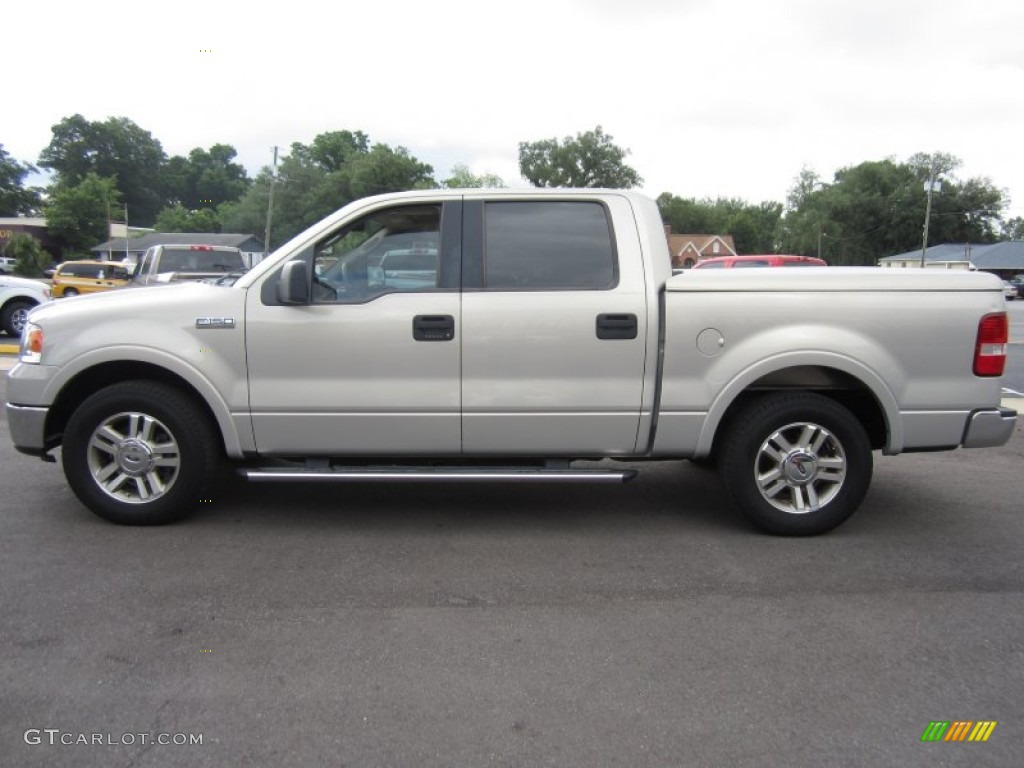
(846, 381)
(96, 377)
(17, 298)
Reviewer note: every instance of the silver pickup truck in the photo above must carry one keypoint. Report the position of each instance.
(524, 330)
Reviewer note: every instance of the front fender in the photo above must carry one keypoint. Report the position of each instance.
(202, 381)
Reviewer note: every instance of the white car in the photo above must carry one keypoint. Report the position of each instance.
(1010, 291)
(17, 297)
(7, 265)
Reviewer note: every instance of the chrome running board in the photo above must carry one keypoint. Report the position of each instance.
(342, 474)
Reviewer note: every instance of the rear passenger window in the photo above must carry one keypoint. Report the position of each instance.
(750, 263)
(548, 246)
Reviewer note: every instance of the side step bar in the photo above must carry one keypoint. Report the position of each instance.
(435, 474)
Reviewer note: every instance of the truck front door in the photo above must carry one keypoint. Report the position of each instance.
(371, 365)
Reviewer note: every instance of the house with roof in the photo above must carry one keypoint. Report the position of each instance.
(130, 249)
(687, 250)
(1005, 259)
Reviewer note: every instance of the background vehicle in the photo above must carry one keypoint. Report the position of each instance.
(765, 260)
(1010, 291)
(74, 277)
(17, 297)
(177, 263)
(7, 265)
(499, 335)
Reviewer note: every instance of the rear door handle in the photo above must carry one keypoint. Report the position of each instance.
(433, 328)
(617, 326)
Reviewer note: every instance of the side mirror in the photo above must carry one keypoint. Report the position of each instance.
(293, 285)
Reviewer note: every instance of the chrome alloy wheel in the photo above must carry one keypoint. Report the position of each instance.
(133, 457)
(800, 468)
(19, 317)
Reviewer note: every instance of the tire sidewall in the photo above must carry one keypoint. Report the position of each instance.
(756, 423)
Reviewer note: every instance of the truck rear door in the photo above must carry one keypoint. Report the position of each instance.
(554, 327)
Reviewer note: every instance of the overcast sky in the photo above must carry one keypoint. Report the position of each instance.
(725, 98)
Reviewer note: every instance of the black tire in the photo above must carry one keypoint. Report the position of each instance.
(157, 442)
(795, 464)
(12, 318)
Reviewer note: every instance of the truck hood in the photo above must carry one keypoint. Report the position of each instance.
(21, 283)
(181, 303)
(818, 279)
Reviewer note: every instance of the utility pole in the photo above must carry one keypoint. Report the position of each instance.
(270, 207)
(929, 186)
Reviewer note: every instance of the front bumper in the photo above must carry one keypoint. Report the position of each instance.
(28, 428)
(989, 428)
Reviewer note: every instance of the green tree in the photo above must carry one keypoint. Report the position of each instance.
(463, 178)
(31, 258)
(15, 199)
(178, 218)
(1012, 229)
(751, 226)
(205, 179)
(316, 179)
(877, 208)
(76, 215)
(115, 148)
(590, 159)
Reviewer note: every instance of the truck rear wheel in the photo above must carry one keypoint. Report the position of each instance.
(139, 453)
(795, 464)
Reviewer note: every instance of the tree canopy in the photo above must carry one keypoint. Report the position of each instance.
(863, 212)
(117, 149)
(751, 226)
(316, 179)
(591, 159)
(15, 199)
(463, 178)
(877, 208)
(77, 214)
(204, 179)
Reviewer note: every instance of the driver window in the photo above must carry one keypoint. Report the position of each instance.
(388, 251)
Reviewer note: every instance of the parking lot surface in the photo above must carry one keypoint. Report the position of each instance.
(501, 625)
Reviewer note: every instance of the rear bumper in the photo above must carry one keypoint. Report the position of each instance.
(28, 428)
(989, 428)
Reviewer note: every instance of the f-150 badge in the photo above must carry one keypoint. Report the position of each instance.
(215, 322)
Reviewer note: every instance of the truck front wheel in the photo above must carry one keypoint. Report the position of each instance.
(14, 316)
(795, 464)
(139, 453)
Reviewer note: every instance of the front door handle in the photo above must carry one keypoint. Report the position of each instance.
(433, 328)
(622, 326)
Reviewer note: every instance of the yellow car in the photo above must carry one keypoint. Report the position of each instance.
(75, 277)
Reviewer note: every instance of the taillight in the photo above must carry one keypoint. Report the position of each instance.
(990, 349)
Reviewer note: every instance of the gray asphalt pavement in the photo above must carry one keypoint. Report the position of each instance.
(642, 625)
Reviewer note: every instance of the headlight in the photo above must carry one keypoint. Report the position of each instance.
(31, 344)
